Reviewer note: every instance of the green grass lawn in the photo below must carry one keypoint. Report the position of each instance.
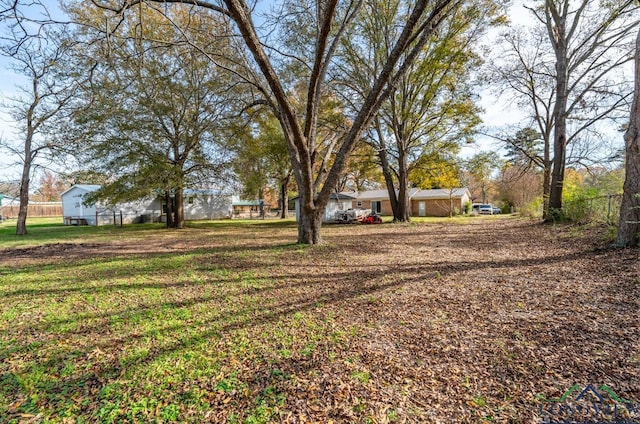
(52, 230)
(149, 336)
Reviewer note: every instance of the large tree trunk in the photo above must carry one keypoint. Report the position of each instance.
(179, 218)
(629, 223)
(387, 173)
(309, 222)
(546, 183)
(21, 225)
(284, 196)
(560, 116)
(404, 212)
(169, 202)
(557, 175)
(388, 179)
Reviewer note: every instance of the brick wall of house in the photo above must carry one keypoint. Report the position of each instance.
(433, 207)
(436, 207)
(385, 207)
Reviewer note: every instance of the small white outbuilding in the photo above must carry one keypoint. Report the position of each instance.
(76, 211)
(337, 202)
(198, 204)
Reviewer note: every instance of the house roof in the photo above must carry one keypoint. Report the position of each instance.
(440, 193)
(342, 196)
(209, 191)
(84, 187)
(380, 194)
(415, 193)
(337, 196)
(372, 195)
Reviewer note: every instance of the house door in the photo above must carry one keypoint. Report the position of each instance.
(376, 206)
(422, 208)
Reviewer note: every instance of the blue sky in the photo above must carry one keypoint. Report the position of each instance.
(9, 88)
(497, 113)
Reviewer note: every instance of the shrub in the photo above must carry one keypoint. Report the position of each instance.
(532, 209)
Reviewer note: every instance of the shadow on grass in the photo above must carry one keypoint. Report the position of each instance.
(102, 372)
(112, 263)
(273, 298)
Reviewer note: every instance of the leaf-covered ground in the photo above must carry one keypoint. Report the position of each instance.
(466, 322)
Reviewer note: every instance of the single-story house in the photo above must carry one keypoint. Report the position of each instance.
(207, 204)
(249, 208)
(376, 200)
(434, 202)
(198, 204)
(337, 202)
(438, 202)
(75, 210)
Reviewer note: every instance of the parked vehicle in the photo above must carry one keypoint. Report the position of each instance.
(485, 209)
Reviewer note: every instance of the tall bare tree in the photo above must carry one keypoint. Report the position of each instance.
(568, 72)
(524, 68)
(331, 20)
(38, 51)
(586, 38)
(629, 222)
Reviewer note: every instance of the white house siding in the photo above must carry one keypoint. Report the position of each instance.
(138, 211)
(335, 205)
(73, 206)
(198, 204)
(203, 205)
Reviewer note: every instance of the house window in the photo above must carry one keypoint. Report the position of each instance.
(376, 206)
(359, 204)
(190, 200)
(422, 208)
